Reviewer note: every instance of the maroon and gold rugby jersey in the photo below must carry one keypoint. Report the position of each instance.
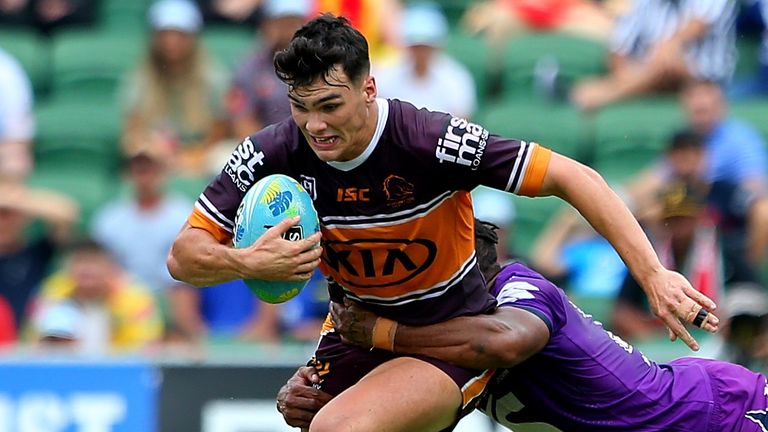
(397, 221)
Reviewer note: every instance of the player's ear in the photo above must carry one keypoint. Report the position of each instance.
(369, 88)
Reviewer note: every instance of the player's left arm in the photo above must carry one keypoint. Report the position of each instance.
(671, 296)
(504, 339)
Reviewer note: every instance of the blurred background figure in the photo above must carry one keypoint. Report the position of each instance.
(377, 20)
(49, 15)
(257, 97)
(231, 11)
(59, 325)
(571, 252)
(502, 19)
(17, 124)
(755, 85)
(425, 75)
(116, 313)
(25, 261)
(496, 207)
(744, 335)
(685, 241)
(139, 229)
(659, 44)
(174, 99)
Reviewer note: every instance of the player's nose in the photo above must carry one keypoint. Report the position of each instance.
(315, 124)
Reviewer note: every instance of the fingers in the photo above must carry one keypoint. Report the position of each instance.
(677, 327)
(282, 227)
(700, 298)
(336, 310)
(310, 242)
(307, 375)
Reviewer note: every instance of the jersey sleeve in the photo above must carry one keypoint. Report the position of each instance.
(257, 156)
(536, 295)
(468, 153)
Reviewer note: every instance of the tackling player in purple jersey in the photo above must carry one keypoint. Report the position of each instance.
(558, 369)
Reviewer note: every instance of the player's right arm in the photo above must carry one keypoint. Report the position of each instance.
(202, 253)
(198, 258)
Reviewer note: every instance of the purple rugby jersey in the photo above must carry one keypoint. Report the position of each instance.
(587, 379)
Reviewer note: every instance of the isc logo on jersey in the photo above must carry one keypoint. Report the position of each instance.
(241, 166)
(463, 143)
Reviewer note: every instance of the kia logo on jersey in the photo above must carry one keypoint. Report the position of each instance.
(378, 263)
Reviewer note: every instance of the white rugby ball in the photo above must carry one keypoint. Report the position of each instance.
(267, 203)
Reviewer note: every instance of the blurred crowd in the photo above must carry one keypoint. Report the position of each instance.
(115, 114)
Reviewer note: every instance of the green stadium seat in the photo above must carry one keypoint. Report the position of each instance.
(88, 64)
(121, 15)
(473, 52)
(575, 58)
(600, 308)
(749, 52)
(556, 126)
(531, 216)
(32, 52)
(78, 134)
(753, 111)
(229, 45)
(631, 135)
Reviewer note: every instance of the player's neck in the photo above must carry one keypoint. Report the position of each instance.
(366, 135)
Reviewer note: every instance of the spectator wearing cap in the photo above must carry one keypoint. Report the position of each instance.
(426, 76)
(116, 313)
(686, 241)
(174, 100)
(744, 335)
(257, 97)
(151, 214)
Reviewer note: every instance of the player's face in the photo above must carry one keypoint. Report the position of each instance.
(337, 117)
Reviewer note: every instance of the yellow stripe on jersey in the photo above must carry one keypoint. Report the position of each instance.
(388, 262)
(537, 168)
(198, 220)
(475, 387)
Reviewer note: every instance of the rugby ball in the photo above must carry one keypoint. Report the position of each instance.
(269, 201)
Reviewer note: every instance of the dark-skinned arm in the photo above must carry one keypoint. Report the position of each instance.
(504, 339)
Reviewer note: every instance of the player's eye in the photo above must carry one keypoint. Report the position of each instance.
(299, 108)
(330, 107)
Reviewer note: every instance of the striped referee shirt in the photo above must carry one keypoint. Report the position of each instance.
(649, 22)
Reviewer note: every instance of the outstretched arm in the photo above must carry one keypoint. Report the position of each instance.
(670, 295)
(504, 339)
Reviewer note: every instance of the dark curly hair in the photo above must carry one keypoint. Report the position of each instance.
(486, 240)
(319, 46)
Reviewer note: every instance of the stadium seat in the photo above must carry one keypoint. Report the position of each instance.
(229, 45)
(574, 57)
(755, 112)
(88, 64)
(600, 308)
(531, 216)
(473, 52)
(630, 136)
(77, 134)
(557, 126)
(121, 15)
(32, 52)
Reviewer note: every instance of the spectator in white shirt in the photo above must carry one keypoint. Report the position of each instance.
(425, 76)
(16, 119)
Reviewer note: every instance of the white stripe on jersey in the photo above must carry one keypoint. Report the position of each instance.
(520, 155)
(211, 218)
(221, 217)
(434, 291)
(401, 216)
(524, 168)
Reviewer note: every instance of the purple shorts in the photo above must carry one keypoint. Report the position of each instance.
(740, 396)
(340, 366)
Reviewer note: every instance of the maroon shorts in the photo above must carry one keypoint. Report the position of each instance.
(341, 366)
